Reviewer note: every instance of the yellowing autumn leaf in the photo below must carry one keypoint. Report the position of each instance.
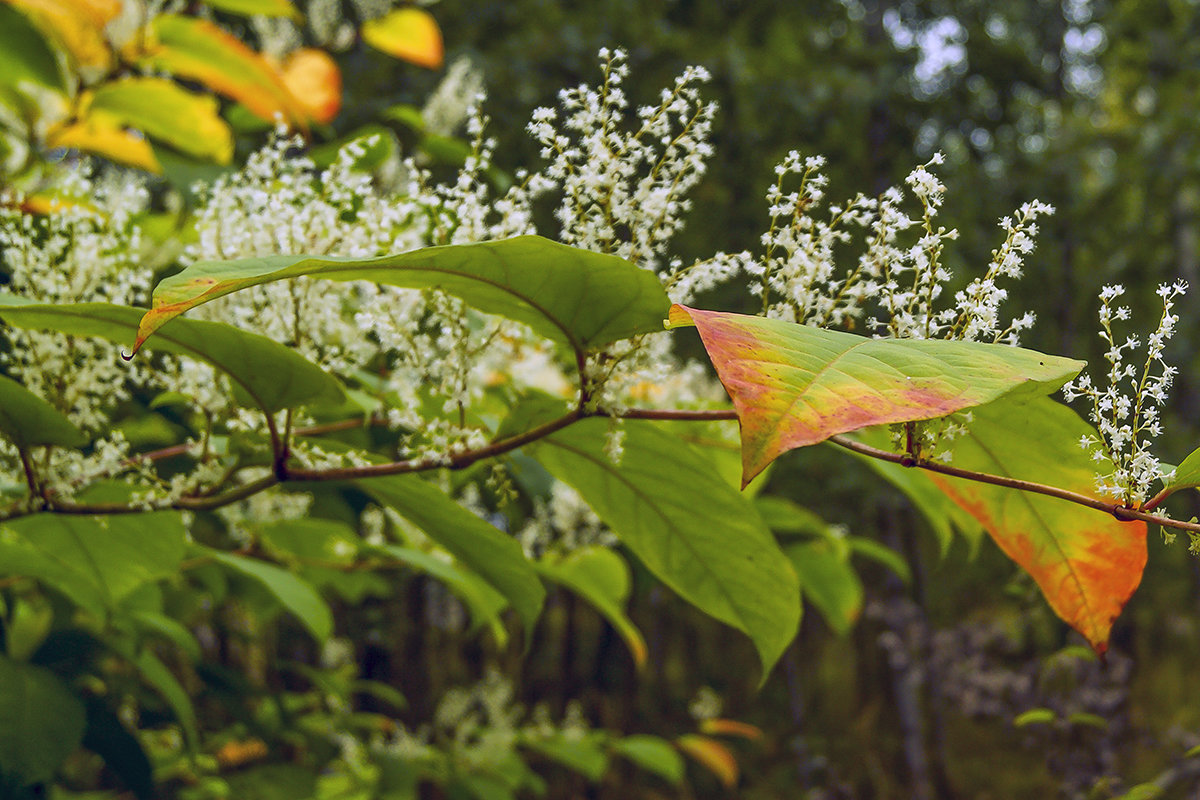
(101, 133)
(199, 50)
(165, 111)
(407, 33)
(796, 385)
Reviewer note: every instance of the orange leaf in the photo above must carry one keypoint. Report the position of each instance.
(199, 50)
(407, 33)
(1086, 563)
(314, 79)
(712, 755)
(100, 133)
(731, 727)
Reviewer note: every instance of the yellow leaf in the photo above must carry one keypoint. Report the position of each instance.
(200, 51)
(712, 755)
(78, 27)
(98, 132)
(407, 33)
(167, 112)
(314, 79)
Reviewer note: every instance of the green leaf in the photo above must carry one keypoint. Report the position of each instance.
(274, 782)
(796, 385)
(694, 531)
(1034, 716)
(157, 676)
(41, 721)
(273, 376)
(785, 516)
(27, 420)
(570, 295)
(189, 122)
(653, 754)
(1087, 563)
(258, 8)
(584, 753)
(311, 539)
(493, 555)
(170, 629)
(882, 554)
(484, 602)
(600, 577)
(295, 595)
(95, 561)
(30, 62)
(1187, 474)
(1143, 791)
(828, 582)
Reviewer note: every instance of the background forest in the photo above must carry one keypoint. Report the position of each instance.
(933, 669)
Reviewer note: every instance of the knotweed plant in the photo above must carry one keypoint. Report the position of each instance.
(1126, 411)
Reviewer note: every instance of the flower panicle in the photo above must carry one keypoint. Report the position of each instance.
(1126, 410)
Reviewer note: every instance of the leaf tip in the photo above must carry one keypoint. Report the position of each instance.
(679, 317)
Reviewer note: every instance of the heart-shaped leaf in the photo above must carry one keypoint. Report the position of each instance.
(574, 296)
(1086, 563)
(795, 385)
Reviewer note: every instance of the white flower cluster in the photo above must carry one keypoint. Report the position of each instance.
(799, 281)
(87, 249)
(624, 191)
(561, 524)
(1126, 411)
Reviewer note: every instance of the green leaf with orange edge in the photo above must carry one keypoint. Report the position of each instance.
(712, 755)
(163, 110)
(264, 372)
(582, 298)
(600, 577)
(1086, 562)
(200, 51)
(407, 33)
(795, 385)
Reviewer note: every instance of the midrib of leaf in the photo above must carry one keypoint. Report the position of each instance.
(336, 267)
(725, 594)
(1028, 502)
